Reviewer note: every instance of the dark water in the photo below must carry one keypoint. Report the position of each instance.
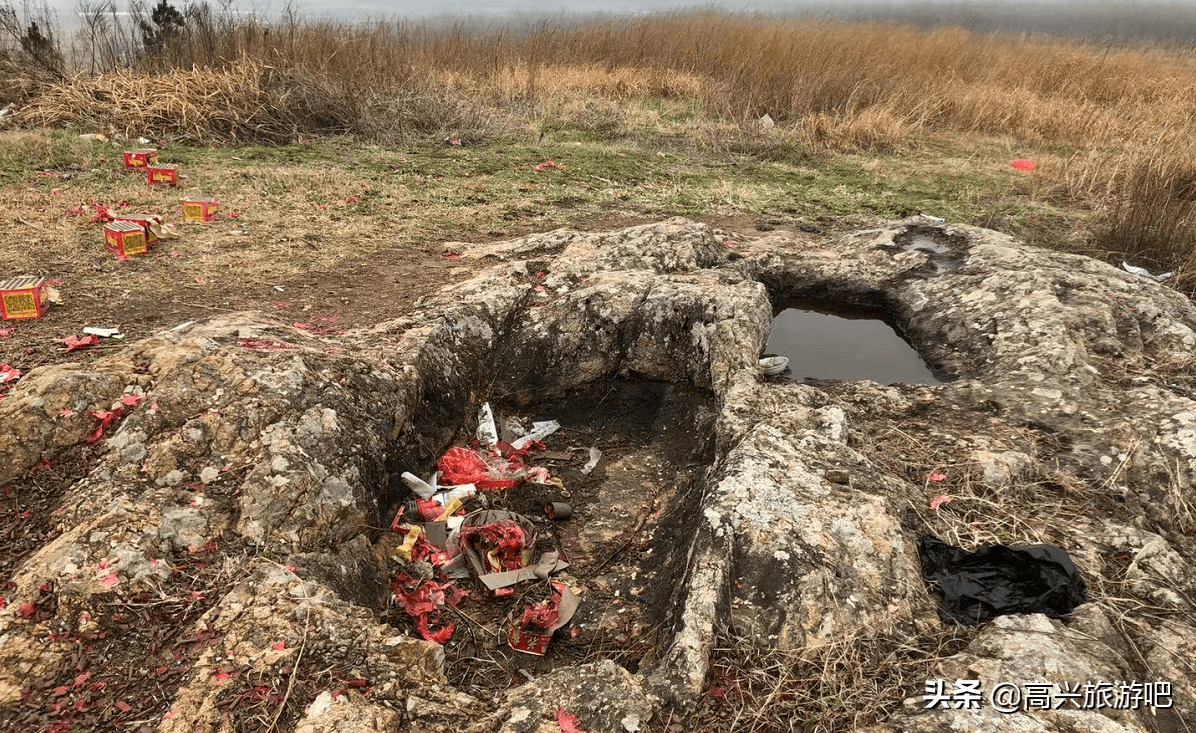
(834, 342)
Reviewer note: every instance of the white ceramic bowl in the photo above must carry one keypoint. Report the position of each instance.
(774, 365)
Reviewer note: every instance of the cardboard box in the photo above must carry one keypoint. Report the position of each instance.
(158, 173)
(125, 238)
(22, 297)
(200, 209)
(151, 224)
(135, 159)
(535, 641)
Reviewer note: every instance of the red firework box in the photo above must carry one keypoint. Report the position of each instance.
(200, 209)
(149, 223)
(135, 159)
(158, 173)
(528, 642)
(21, 297)
(125, 238)
(527, 637)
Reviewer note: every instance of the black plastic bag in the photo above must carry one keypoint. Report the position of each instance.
(996, 580)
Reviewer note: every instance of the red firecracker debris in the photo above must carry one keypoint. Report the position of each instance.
(462, 466)
(500, 543)
(106, 418)
(422, 601)
(567, 721)
(1022, 164)
(73, 343)
(101, 215)
(938, 501)
(264, 344)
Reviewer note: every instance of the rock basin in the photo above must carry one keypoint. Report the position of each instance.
(242, 497)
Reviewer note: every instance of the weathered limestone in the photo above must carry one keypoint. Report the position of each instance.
(1072, 421)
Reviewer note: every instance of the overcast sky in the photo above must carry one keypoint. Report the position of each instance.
(1132, 19)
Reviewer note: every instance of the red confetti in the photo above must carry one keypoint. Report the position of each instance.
(110, 580)
(73, 343)
(452, 256)
(123, 706)
(936, 477)
(65, 412)
(278, 646)
(264, 344)
(1022, 164)
(199, 280)
(547, 164)
(171, 714)
(9, 373)
(938, 501)
(5, 333)
(26, 609)
(174, 253)
(567, 720)
(234, 214)
(101, 213)
(132, 399)
(82, 678)
(75, 210)
(106, 418)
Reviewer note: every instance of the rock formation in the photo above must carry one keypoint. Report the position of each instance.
(236, 477)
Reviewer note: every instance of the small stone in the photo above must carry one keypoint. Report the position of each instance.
(836, 476)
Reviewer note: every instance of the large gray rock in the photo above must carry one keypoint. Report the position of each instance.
(1071, 421)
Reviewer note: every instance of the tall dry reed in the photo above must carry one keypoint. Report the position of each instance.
(1119, 117)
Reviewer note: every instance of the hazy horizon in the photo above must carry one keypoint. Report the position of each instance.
(1172, 21)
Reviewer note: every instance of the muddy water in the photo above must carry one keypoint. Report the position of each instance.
(826, 341)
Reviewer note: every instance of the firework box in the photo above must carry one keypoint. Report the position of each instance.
(479, 556)
(135, 159)
(157, 173)
(151, 224)
(23, 296)
(533, 640)
(200, 209)
(125, 238)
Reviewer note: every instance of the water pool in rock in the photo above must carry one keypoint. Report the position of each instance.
(832, 341)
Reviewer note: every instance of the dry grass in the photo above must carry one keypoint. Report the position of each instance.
(848, 684)
(1112, 126)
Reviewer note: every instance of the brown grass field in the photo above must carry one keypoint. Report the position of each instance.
(1111, 125)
